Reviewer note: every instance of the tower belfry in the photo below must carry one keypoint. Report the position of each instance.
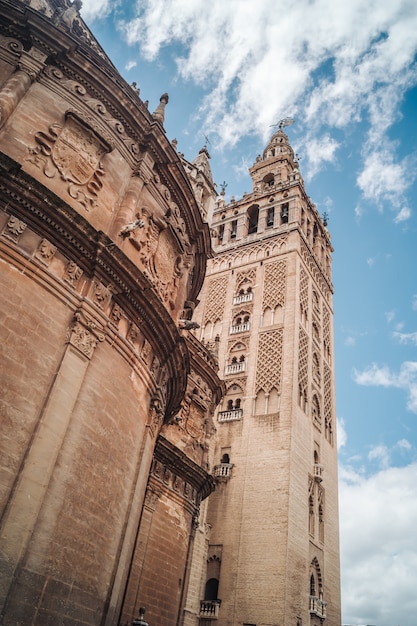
(273, 546)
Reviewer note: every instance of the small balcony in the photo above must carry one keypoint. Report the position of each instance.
(239, 328)
(235, 368)
(209, 609)
(318, 472)
(223, 471)
(318, 607)
(243, 297)
(230, 416)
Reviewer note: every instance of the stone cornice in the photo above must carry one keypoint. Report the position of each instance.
(181, 465)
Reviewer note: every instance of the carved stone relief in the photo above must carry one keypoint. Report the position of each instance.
(116, 315)
(160, 255)
(100, 119)
(151, 498)
(72, 274)
(45, 252)
(84, 334)
(101, 294)
(73, 152)
(14, 229)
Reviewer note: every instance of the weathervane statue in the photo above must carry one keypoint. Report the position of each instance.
(286, 121)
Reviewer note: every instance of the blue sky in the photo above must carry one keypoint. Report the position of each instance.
(347, 73)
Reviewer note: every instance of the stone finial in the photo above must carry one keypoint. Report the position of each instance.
(159, 113)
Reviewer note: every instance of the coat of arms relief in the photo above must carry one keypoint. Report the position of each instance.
(73, 152)
(159, 253)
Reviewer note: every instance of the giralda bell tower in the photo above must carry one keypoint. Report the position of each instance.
(266, 308)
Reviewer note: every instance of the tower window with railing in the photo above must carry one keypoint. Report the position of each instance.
(240, 324)
(243, 296)
(236, 365)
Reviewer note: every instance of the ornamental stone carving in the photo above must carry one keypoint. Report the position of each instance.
(161, 257)
(84, 334)
(72, 274)
(14, 229)
(101, 294)
(146, 240)
(45, 252)
(73, 152)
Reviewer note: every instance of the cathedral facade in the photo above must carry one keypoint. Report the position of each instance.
(167, 425)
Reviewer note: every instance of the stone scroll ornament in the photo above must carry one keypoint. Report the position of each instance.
(73, 152)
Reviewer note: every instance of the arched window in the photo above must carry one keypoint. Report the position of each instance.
(311, 515)
(225, 459)
(316, 409)
(253, 216)
(211, 590)
(321, 523)
(270, 217)
(312, 585)
(316, 368)
(233, 231)
(284, 213)
(315, 233)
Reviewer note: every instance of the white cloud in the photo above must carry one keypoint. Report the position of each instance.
(406, 338)
(405, 379)
(403, 215)
(341, 433)
(130, 65)
(381, 454)
(378, 532)
(329, 64)
(414, 303)
(383, 179)
(350, 341)
(389, 316)
(320, 150)
(404, 444)
(94, 9)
